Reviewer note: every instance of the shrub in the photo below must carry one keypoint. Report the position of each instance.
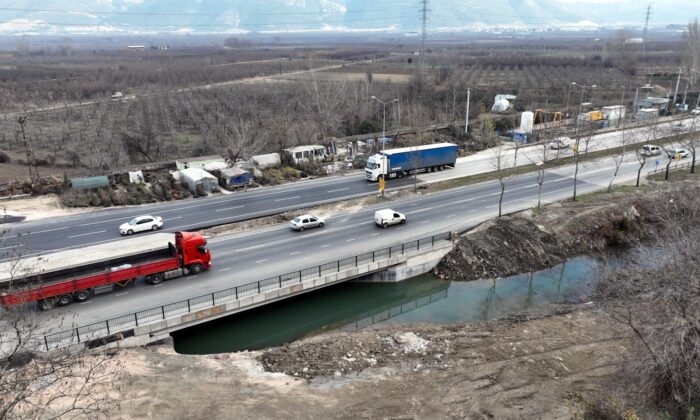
(4, 157)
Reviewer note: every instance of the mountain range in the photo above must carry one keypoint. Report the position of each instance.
(63, 17)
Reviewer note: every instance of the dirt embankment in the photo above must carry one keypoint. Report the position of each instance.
(524, 367)
(531, 241)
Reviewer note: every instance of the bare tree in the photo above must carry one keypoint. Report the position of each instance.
(619, 157)
(655, 294)
(35, 383)
(504, 166)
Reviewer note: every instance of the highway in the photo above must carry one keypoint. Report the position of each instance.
(255, 255)
(101, 226)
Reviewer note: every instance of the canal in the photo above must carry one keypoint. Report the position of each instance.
(424, 299)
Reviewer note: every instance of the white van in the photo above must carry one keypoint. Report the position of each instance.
(651, 150)
(387, 217)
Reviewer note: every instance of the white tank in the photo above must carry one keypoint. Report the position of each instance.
(527, 120)
(501, 105)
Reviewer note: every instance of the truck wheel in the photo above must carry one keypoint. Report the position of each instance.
(81, 295)
(442, 167)
(429, 169)
(196, 268)
(129, 232)
(64, 300)
(156, 279)
(47, 304)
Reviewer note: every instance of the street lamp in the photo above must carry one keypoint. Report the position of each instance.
(384, 104)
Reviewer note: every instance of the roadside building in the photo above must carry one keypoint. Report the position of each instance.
(198, 179)
(302, 154)
(198, 162)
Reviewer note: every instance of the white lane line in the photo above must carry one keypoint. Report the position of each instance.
(294, 253)
(158, 285)
(260, 261)
(225, 269)
(48, 230)
(172, 218)
(288, 198)
(325, 246)
(351, 239)
(474, 210)
(338, 190)
(449, 216)
(424, 222)
(422, 210)
(375, 234)
(230, 208)
(85, 234)
(251, 247)
(86, 302)
(121, 294)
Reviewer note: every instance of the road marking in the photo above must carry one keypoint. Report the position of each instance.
(47, 230)
(86, 302)
(451, 215)
(422, 210)
(375, 234)
(424, 222)
(260, 261)
(158, 285)
(294, 253)
(288, 198)
(172, 218)
(475, 210)
(251, 247)
(350, 240)
(121, 294)
(225, 269)
(85, 234)
(338, 190)
(230, 208)
(325, 246)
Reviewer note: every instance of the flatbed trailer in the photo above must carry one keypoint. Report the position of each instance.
(62, 277)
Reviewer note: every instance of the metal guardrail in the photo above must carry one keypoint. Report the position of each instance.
(123, 323)
(672, 168)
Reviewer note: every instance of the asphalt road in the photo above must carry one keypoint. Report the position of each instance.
(101, 226)
(259, 254)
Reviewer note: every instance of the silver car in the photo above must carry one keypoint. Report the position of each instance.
(306, 221)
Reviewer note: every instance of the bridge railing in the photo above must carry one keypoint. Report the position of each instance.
(102, 329)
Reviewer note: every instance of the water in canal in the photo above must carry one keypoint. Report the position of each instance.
(355, 305)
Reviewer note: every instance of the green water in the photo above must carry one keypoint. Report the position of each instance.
(355, 305)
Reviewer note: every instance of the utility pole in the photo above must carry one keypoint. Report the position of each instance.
(678, 82)
(646, 29)
(424, 34)
(466, 119)
(28, 150)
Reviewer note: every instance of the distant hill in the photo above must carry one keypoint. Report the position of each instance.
(221, 16)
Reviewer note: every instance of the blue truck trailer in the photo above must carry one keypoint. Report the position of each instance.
(395, 163)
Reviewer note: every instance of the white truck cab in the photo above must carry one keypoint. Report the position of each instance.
(375, 167)
(388, 217)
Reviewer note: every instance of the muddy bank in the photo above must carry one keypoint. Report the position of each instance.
(524, 367)
(531, 241)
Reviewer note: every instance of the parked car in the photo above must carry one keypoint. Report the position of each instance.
(306, 221)
(696, 111)
(558, 144)
(672, 153)
(680, 127)
(388, 217)
(141, 224)
(651, 150)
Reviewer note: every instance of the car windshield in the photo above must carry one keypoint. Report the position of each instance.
(296, 220)
(133, 221)
(371, 165)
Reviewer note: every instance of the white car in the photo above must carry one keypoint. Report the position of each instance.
(141, 224)
(696, 111)
(558, 144)
(682, 153)
(388, 217)
(306, 221)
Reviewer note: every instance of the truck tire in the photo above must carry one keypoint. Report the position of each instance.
(196, 268)
(156, 279)
(429, 169)
(64, 300)
(442, 167)
(47, 304)
(81, 295)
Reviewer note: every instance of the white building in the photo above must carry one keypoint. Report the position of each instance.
(301, 154)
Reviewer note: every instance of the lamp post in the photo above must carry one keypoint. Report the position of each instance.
(466, 118)
(384, 104)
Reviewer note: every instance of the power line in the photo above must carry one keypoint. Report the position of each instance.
(93, 12)
(646, 28)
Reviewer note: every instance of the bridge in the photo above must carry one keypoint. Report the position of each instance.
(394, 263)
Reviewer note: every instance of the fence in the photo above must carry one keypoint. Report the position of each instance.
(674, 167)
(126, 322)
